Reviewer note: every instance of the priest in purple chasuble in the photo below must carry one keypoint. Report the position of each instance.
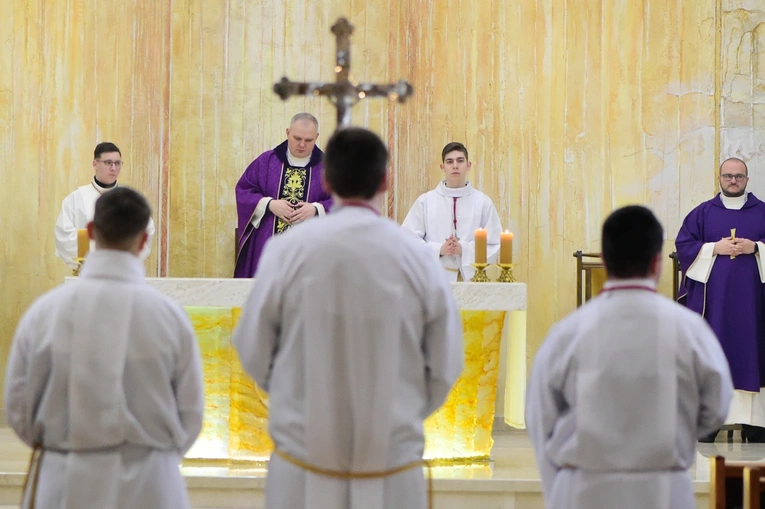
(281, 188)
(719, 248)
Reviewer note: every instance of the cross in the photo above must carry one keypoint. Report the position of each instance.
(345, 92)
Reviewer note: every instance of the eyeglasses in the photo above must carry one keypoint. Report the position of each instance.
(728, 177)
(116, 164)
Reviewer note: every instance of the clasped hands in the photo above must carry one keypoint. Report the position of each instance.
(734, 247)
(289, 213)
(451, 247)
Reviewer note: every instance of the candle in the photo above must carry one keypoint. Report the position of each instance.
(480, 245)
(83, 243)
(506, 247)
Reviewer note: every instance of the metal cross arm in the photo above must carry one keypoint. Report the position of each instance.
(344, 92)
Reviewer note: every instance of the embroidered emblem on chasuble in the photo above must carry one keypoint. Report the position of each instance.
(293, 187)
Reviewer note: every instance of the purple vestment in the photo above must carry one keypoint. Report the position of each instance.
(732, 300)
(271, 176)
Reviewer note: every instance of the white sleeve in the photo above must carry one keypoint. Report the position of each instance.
(256, 337)
(542, 413)
(319, 208)
(17, 403)
(489, 221)
(758, 257)
(66, 233)
(262, 208)
(188, 385)
(715, 385)
(146, 251)
(415, 222)
(442, 343)
(701, 267)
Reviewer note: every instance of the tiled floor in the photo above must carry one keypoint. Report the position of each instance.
(511, 480)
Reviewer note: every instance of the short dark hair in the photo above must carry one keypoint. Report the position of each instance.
(355, 163)
(451, 147)
(746, 168)
(121, 215)
(632, 237)
(105, 148)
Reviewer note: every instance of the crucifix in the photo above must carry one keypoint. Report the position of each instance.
(345, 92)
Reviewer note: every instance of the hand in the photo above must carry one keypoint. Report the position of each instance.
(281, 209)
(744, 246)
(725, 246)
(451, 247)
(302, 212)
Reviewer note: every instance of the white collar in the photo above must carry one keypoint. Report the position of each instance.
(613, 284)
(733, 202)
(454, 192)
(101, 189)
(296, 161)
(113, 264)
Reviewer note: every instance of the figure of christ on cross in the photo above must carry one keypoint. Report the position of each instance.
(345, 92)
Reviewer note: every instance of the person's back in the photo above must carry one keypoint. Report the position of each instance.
(354, 333)
(366, 274)
(105, 378)
(609, 367)
(159, 348)
(621, 388)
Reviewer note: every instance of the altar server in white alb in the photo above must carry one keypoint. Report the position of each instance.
(445, 219)
(621, 389)
(77, 208)
(357, 339)
(105, 380)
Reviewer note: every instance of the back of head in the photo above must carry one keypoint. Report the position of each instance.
(105, 148)
(121, 216)
(632, 237)
(355, 163)
(451, 147)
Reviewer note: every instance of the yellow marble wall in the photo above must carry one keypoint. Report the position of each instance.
(72, 74)
(569, 108)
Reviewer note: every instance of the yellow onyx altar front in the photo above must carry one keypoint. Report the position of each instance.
(491, 386)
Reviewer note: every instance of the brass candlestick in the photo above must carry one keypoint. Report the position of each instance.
(506, 276)
(480, 273)
(76, 272)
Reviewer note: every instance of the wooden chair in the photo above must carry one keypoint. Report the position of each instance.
(588, 266)
(677, 274)
(590, 274)
(726, 483)
(754, 486)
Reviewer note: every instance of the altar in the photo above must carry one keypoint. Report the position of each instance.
(491, 387)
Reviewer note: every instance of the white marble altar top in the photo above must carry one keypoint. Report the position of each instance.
(211, 292)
